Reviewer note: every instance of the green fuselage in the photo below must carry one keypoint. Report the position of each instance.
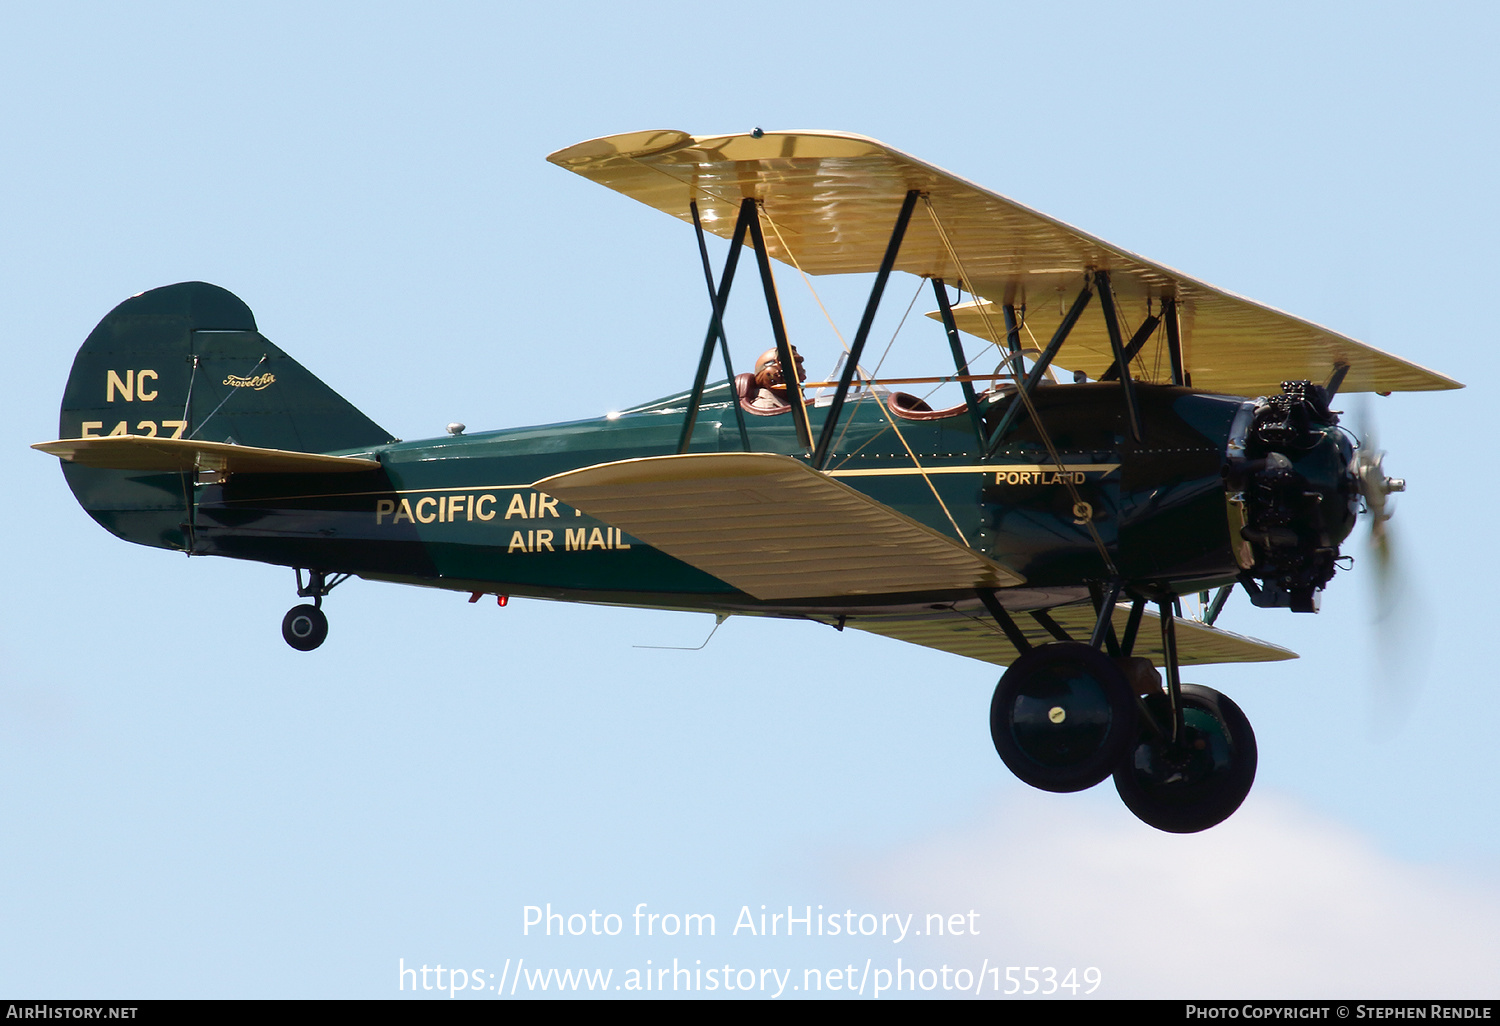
(460, 512)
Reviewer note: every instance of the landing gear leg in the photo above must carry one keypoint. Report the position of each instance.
(305, 627)
(1194, 760)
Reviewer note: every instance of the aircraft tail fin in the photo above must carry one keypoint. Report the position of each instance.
(186, 362)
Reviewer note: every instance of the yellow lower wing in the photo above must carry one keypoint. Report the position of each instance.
(976, 635)
(774, 527)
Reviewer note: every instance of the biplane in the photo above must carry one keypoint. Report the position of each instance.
(1044, 521)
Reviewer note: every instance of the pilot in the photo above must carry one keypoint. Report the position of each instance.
(770, 393)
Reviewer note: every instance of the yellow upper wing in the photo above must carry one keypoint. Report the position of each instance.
(833, 199)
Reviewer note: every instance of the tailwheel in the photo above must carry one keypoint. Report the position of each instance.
(1063, 717)
(304, 627)
(1197, 781)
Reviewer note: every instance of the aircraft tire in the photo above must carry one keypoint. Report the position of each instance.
(304, 627)
(1199, 782)
(1063, 717)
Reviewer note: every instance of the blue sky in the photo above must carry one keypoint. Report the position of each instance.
(192, 809)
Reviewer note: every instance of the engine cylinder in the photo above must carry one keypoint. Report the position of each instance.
(1299, 494)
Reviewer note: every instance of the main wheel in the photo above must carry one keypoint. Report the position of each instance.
(304, 627)
(1063, 717)
(1199, 781)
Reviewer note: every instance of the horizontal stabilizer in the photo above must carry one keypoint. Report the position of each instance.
(976, 635)
(774, 527)
(166, 455)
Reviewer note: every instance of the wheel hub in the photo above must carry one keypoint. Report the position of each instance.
(1063, 717)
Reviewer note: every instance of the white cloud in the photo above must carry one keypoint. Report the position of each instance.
(1274, 903)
